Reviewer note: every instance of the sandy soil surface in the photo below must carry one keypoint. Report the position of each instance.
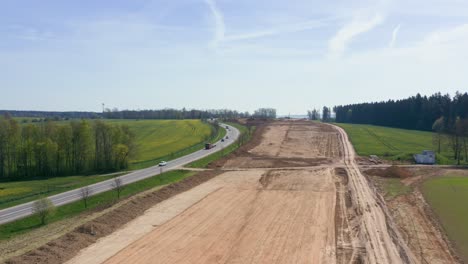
(152, 218)
(291, 144)
(424, 239)
(273, 217)
(298, 140)
(247, 215)
(376, 238)
(414, 217)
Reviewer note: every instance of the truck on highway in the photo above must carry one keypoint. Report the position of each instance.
(209, 145)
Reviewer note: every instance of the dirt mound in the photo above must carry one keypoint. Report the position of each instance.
(65, 247)
(391, 172)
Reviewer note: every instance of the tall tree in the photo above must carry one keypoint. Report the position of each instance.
(326, 114)
(439, 128)
(81, 145)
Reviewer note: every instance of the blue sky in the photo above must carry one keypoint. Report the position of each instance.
(239, 54)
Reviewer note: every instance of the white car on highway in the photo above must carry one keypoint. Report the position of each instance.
(162, 163)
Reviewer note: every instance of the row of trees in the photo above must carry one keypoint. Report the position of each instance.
(167, 113)
(454, 135)
(51, 149)
(326, 115)
(265, 113)
(50, 114)
(174, 114)
(417, 112)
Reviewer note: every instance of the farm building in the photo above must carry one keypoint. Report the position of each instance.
(426, 157)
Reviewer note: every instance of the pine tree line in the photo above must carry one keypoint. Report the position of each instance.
(417, 112)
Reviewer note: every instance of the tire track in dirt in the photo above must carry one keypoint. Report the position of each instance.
(382, 241)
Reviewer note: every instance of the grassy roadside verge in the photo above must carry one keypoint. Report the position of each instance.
(204, 162)
(108, 198)
(18, 192)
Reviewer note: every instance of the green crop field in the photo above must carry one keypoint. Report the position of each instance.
(393, 143)
(161, 138)
(448, 197)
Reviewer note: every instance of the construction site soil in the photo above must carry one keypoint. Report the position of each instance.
(293, 194)
(415, 219)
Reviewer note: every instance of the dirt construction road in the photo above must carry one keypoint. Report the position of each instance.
(382, 241)
(259, 211)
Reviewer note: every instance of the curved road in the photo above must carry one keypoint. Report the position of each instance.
(23, 210)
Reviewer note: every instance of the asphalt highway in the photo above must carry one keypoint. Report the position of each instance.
(23, 210)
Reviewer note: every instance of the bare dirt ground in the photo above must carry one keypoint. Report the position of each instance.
(370, 235)
(272, 217)
(290, 144)
(414, 217)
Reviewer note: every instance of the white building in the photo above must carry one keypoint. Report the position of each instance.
(426, 157)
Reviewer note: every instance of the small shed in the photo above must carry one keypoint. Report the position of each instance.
(426, 157)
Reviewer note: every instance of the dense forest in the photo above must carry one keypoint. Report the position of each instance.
(57, 149)
(53, 115)
(417, 112)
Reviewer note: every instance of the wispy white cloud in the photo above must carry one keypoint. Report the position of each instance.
(444, 45)
(339, 43)
(220, 27)
(394, 36)
(220, 35)
(450, 35)
(297, 27)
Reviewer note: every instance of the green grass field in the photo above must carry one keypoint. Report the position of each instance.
(448, 196)
(160, 138)
(393, 143)
(24, 225)
(156, 139)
